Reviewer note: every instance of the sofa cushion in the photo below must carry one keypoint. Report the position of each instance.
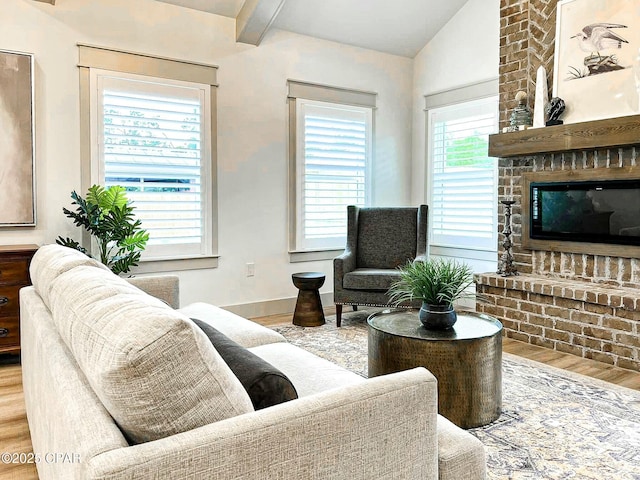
(240, 330)
(52, 260)
(460, 455)
(265, 384)
(308, 372)
(153, 369)
(370, 279)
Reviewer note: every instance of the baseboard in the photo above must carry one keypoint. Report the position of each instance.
(272, 307)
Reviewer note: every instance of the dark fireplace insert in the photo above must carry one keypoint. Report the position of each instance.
(586, 211)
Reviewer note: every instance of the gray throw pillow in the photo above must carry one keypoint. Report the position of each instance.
(265, 384)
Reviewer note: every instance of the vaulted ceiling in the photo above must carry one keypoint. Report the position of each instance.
(400, 27)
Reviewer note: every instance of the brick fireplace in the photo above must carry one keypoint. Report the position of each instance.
(579, 303)
(586, 300)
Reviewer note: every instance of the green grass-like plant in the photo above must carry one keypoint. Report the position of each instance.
(435, 281)
(107, 215)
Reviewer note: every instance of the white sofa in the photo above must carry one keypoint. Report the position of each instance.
(120, 385)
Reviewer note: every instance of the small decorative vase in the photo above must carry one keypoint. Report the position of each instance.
(437, 317)
(521, 115)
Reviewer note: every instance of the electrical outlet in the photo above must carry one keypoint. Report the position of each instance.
(251, 269)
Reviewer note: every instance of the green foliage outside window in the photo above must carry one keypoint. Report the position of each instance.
(469, 151)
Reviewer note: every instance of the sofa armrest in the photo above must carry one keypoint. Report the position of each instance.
(164, 287)
(383, 428)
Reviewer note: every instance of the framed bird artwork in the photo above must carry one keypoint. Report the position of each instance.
(597, 58)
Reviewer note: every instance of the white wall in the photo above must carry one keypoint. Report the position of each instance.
(252, 125)
(464, 51)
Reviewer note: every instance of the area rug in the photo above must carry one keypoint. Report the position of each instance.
(554, 424)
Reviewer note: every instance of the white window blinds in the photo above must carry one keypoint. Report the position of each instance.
(463, 189)
(333, 153)
(153, 143)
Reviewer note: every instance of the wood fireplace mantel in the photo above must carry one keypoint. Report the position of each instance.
(612, 132)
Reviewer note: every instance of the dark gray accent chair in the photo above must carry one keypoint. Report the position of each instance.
(379, 240)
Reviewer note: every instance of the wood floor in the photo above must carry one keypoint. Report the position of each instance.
(14, 431)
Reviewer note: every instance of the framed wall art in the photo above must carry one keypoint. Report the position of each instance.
(17, 152)
(597, 58)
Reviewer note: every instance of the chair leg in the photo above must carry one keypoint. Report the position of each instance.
(355, 308)
(338, 314)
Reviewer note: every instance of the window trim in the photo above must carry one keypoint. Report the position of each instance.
(475, 91)
(92, 57)
(465, 93)
(328, 94)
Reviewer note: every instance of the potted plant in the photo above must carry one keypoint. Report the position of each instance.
(438, 283)
(107, 215)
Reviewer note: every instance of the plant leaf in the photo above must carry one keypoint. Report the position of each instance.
(94, 194)
(434, 281)
(113, 197)
(71, 243)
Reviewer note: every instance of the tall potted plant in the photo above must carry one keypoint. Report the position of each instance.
(438, 283)
(107, 215)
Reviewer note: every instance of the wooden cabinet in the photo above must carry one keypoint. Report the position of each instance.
(14, 274)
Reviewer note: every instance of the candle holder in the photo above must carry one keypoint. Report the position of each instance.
(506, 267)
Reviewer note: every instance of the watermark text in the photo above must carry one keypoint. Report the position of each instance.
(30, 457)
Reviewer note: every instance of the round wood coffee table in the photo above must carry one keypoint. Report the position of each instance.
(466, 360)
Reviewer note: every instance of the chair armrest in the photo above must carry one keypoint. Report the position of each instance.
(383, 428)
(344, 263)
(164, 287)
(347, 261)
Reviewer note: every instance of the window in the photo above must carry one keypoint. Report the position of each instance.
(153, 135)
(331, 170)
(151, 141)
(463, 179)
(331, 159)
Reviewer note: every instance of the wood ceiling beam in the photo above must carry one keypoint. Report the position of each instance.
(255, 18)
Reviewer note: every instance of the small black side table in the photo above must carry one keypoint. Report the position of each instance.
(308, 311)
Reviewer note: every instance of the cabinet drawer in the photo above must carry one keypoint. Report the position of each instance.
(14, 271)
(9, 332)
(14, 274)
(10, 300)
